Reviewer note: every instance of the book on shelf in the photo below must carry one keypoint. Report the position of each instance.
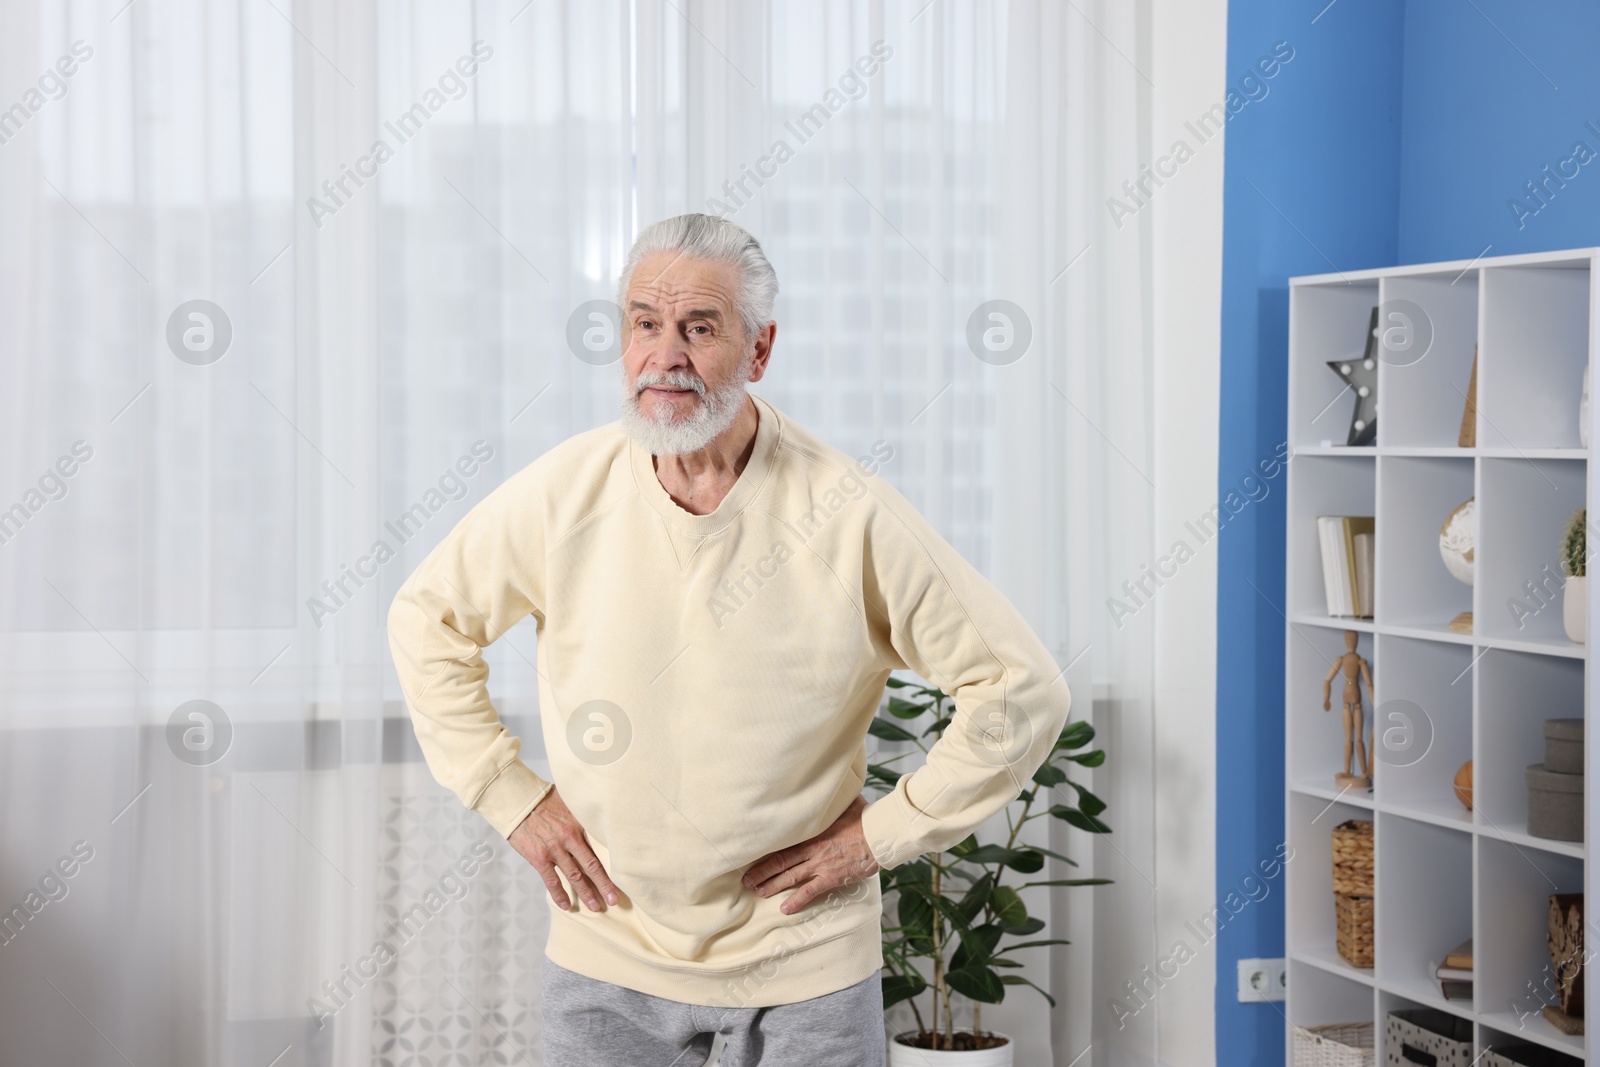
(1347, 549)
(1455, 973)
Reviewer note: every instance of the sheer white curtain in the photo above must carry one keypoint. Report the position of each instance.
(286, 286)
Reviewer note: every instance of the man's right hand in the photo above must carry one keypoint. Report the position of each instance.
(550, 838)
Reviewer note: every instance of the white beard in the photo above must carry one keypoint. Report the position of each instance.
(712, 415)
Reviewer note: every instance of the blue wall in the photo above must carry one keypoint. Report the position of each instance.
(1398, 133)
(1483, 113)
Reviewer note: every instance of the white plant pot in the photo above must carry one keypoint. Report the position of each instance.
(907, 1056)
(1575, 608)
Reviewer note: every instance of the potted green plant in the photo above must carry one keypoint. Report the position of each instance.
(1574, 593)
(952, 917)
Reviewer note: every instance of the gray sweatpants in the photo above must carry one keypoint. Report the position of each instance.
(590, 1023)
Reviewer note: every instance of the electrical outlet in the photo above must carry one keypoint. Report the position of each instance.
(1262, 980)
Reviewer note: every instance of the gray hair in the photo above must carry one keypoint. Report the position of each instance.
(709, 237)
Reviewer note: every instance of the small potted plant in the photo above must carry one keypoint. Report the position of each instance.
(951, 916)
(1574, 595)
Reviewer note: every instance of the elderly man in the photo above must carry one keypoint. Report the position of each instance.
(720, 598)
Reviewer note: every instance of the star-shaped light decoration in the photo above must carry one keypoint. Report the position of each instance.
(1361, 375)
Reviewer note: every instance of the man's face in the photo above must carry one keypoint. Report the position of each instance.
(681, 335)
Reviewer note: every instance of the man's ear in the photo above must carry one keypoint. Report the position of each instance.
(763, 342)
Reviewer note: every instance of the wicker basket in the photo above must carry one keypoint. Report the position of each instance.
(1352, 890)
(1336, 1045)
(1353, 924)
(1352, 858)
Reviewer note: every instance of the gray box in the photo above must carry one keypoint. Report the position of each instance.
(1563, 746)
(1555, 804)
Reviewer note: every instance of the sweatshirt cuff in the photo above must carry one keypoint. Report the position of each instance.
(888, 824)
(510, 796)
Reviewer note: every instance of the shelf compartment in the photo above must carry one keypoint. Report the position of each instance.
(1504, 1031)
(1523, 507)
(1415, 496)
(1422, 729)
(1323, 485)
(1424, 898)
(1308, 902)
(1534, 343)
(1428, 330)
(1326, 323)
(1517, 691)
(1322, 997)
(1510, 956)
(1391, 1000)
(1316, 737)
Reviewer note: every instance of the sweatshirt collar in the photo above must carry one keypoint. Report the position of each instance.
(768, 433)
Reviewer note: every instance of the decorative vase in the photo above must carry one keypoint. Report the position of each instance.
(1575, 608)
(911, 1056)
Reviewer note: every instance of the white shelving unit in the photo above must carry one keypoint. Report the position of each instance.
(1442, 873)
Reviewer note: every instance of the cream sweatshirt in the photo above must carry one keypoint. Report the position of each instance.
(705, 687)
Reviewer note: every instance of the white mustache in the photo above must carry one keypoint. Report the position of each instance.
(668, 381)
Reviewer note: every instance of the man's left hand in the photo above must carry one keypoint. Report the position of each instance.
(836, 857)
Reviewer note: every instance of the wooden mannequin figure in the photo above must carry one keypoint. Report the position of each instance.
(1355, 669)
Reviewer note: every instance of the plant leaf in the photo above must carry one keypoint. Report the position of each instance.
(1074, 817)
(917, 872)
(1048, 775)
(1070, 881)
(888, 731)
(898, 987)
(987, 854)
(978, 983)
(951, 870)
(1017, 979)
(977, 897)
(1074, 735)
(1089, 759)
(963, 847)
(1070, 862)
(916, 918)
(977, 945)
(905, 709)
(1029, 926)
(1008, 907)
(887, 775)
(1025, 860)
(1088, 803)
(1034, 944)
(952, 912)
